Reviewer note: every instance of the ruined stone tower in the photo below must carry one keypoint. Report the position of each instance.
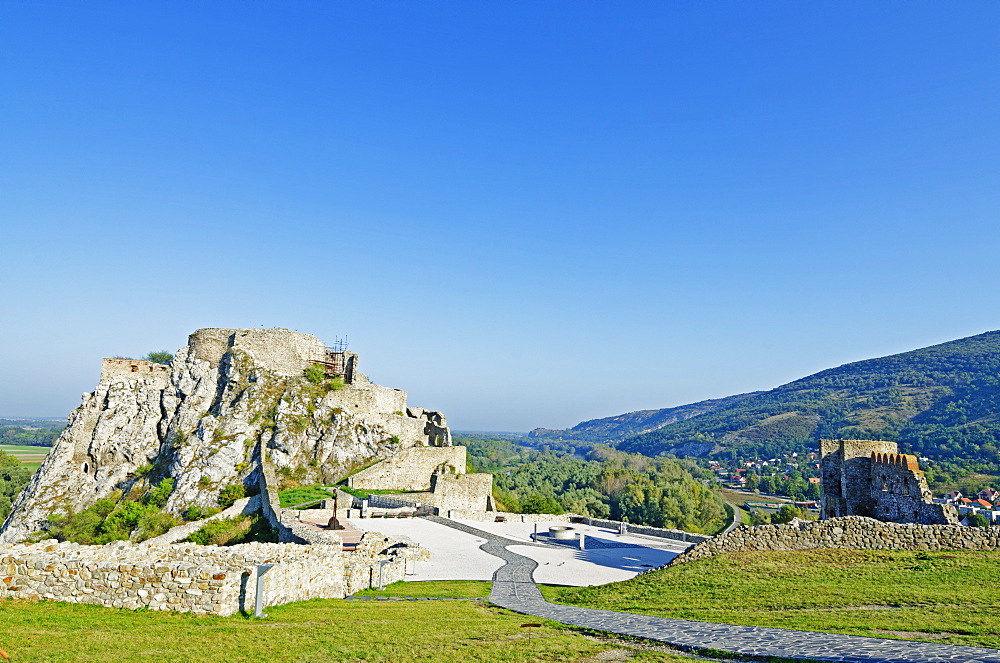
(871, 478)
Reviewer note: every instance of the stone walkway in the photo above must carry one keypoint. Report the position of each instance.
(514, 589)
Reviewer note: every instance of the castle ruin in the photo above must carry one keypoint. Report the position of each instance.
(871, 478)
(236, 410)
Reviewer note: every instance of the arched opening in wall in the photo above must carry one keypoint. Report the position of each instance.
(86, 468)
(885, 484)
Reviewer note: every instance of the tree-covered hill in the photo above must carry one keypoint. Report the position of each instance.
(942, 402)
(617, 428)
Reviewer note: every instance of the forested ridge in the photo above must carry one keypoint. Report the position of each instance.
(616, 428)
(942, 402)
(604, 483)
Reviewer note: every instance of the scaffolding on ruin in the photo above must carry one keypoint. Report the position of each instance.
(337, 361)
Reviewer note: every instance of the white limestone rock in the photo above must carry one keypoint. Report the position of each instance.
(229, 395)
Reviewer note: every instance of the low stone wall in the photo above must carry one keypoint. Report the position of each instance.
(674, 534)
(850, 532)
(492, 516)
(199, 579)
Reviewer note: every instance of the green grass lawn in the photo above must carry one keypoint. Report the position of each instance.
(466, 589)
(319, 630)
(948, 597)
(295, 496)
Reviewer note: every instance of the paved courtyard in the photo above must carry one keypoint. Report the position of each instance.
(456, 555)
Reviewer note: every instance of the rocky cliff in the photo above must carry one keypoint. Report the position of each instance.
(233, 403)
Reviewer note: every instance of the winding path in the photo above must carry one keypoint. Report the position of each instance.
(515, 589)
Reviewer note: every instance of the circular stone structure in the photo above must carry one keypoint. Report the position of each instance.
(562, 533)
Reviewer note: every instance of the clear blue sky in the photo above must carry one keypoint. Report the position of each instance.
(524, 213)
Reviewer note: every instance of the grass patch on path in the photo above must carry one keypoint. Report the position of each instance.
(950, 597)
(319, 630)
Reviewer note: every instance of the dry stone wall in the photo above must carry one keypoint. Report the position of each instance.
(850, 532)
(199, 579)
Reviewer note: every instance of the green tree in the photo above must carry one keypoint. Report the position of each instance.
(978, 520)
(160, 357)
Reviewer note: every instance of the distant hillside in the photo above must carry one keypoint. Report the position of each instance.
(942, 401)
(617, 428)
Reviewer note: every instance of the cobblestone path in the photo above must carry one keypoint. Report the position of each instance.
(514, 589)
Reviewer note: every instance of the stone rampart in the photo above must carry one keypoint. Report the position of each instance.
(850, 532)
(410, 469)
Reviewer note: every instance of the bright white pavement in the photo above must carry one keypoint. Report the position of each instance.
(456, 555)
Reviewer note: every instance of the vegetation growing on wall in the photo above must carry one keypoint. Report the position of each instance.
(159, 357)
(233, 531)
(117, 517)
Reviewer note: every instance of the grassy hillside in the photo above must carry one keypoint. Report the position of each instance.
(941, 596)
(942, 401)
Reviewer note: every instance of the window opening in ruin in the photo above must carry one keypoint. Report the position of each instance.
(86, 468)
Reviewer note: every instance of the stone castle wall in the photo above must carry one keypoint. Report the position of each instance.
(280, 351)
(461, 492)
(410, 469)
(850, 532)
(135, 369)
